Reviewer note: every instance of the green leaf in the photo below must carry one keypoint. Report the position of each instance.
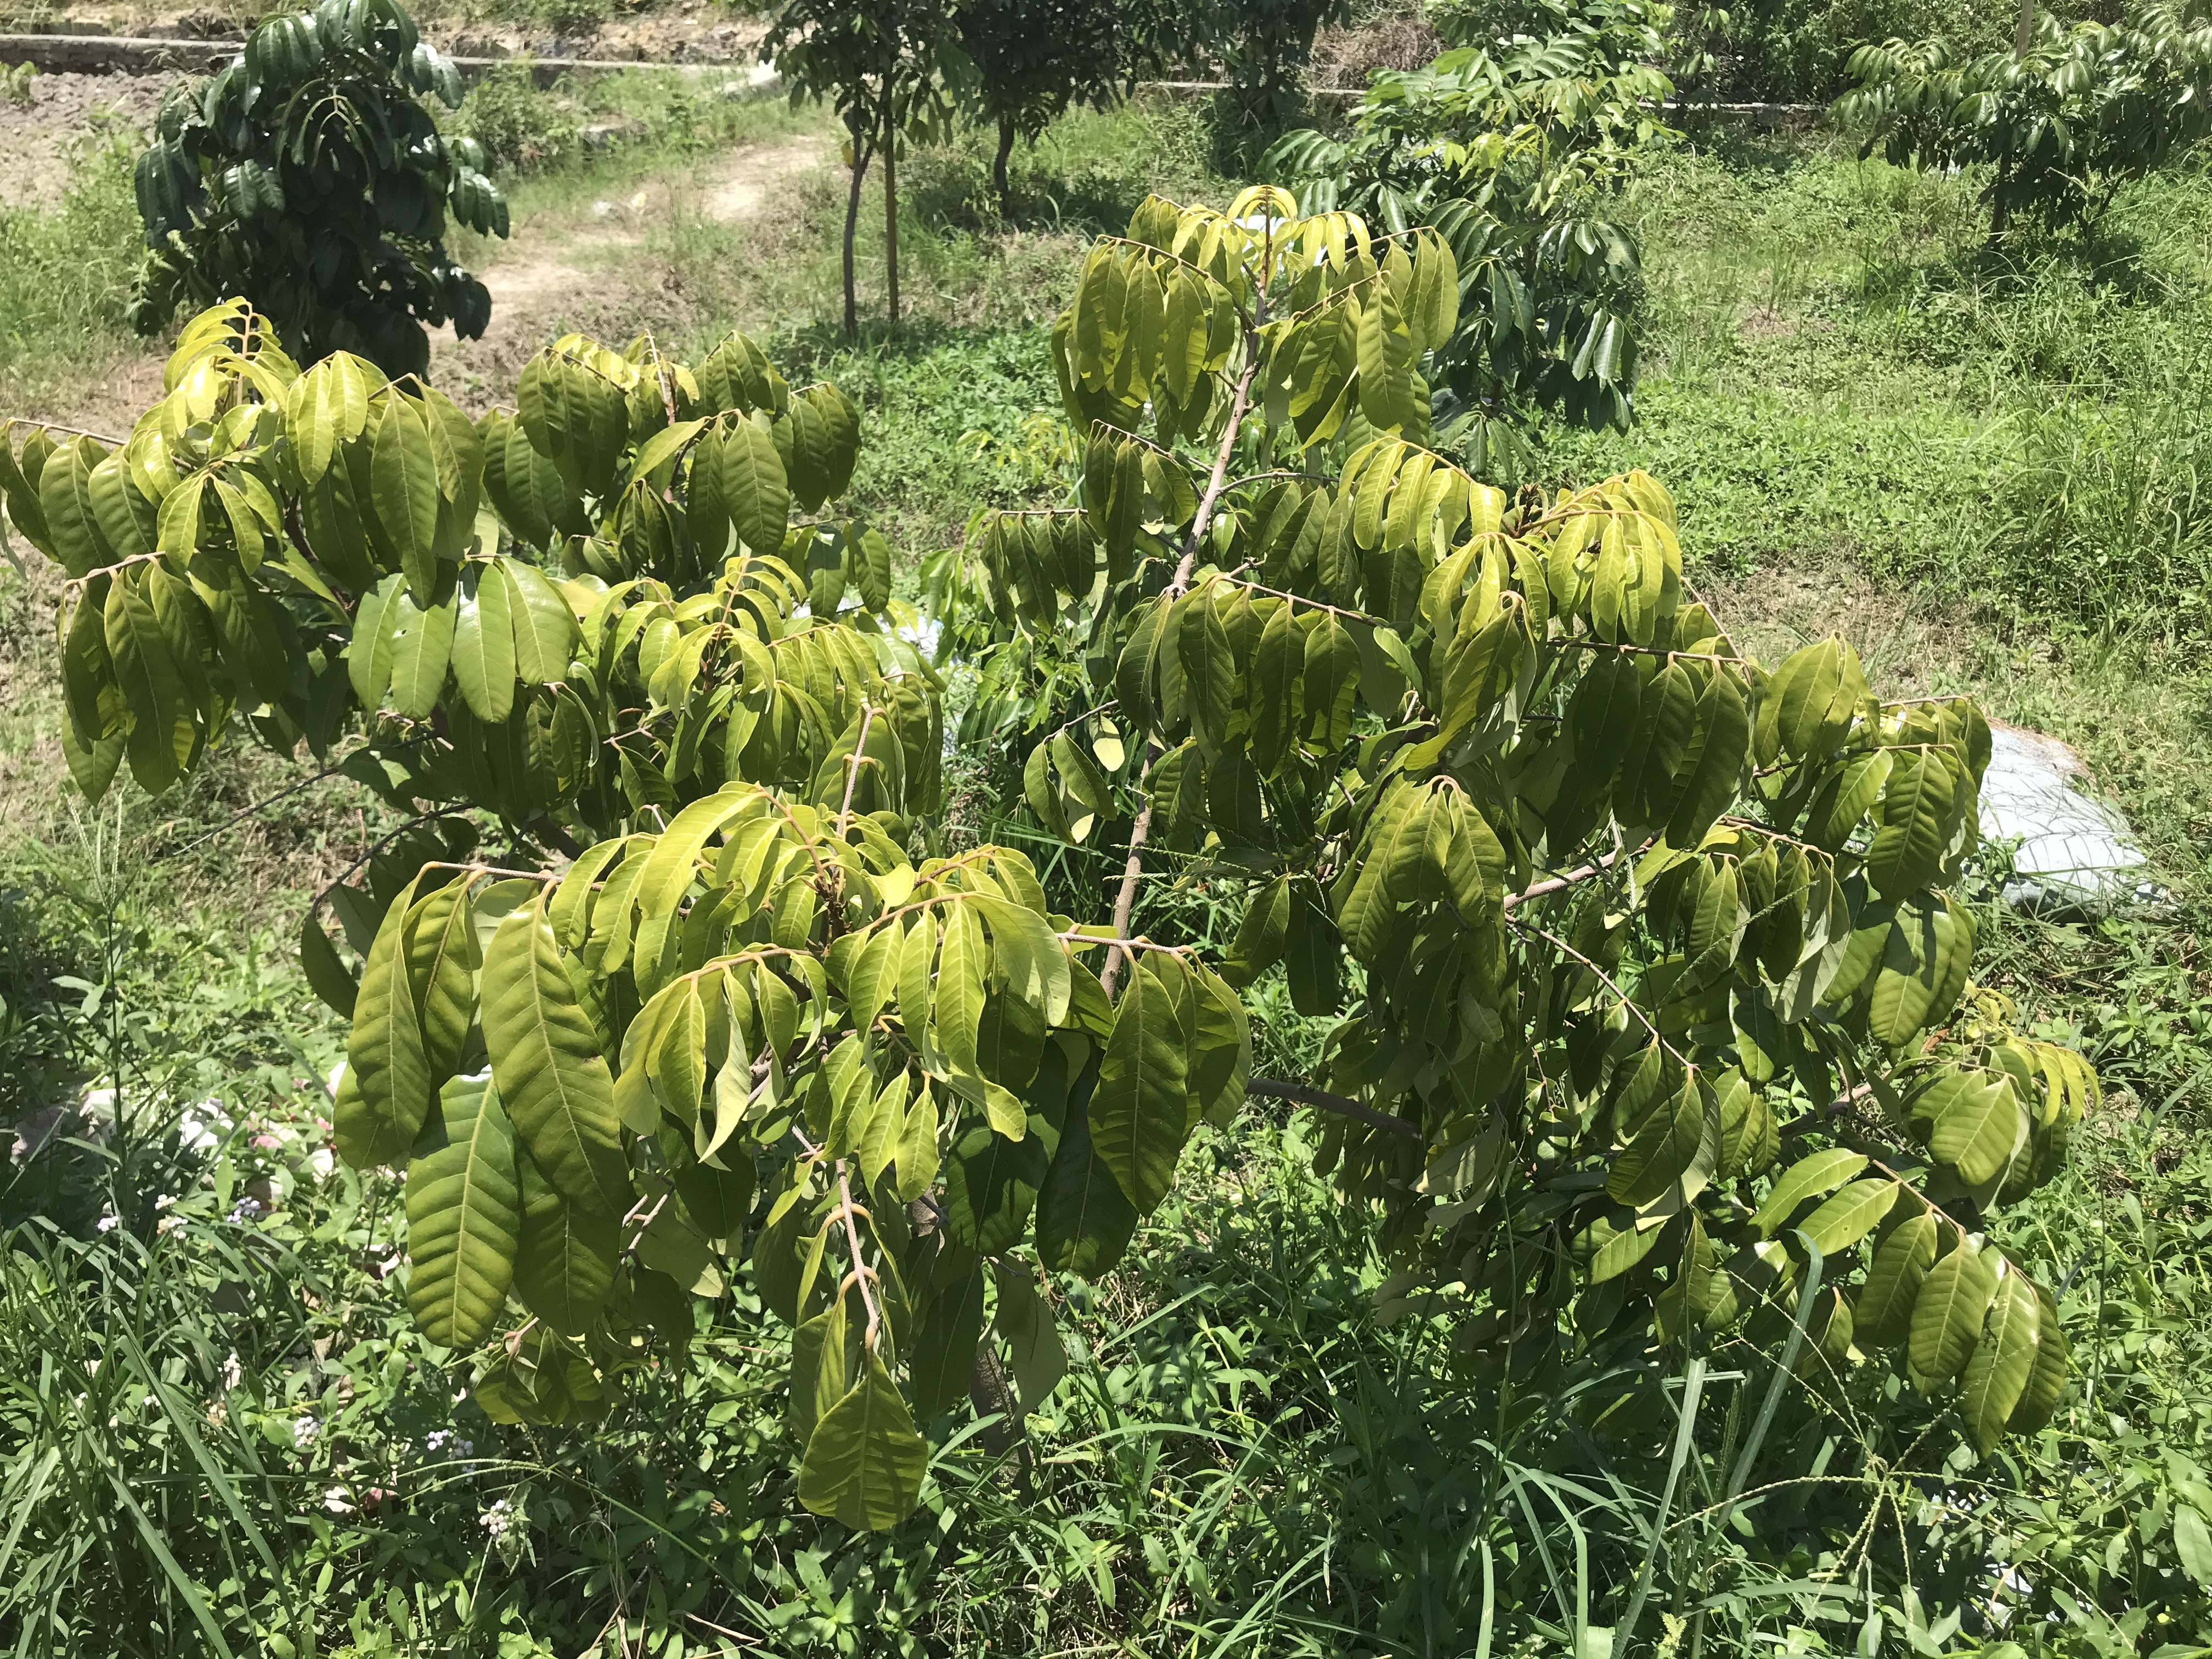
(385, 1058)
(990, 1187)
(160, 737)
(483, 644)
(544, 628)
(864, 1462)
(754, 488)
(463, 1216)
(1979, 1125)
(403, 494)
(1665, 1148)
(1907, 853)
(2048, 1380)
(946, 1340)
(422, 646)
(2192, 1543)
(546, 1061)
(1809, 1177)
(1998, 1376)
(441, 965)
(1851, 1214)
(1032, 1339)
(1710, 788)
(1901, 1260)
(1138, 1110)
(327, 976)
(1084, 1219)
(1947, 1318)
(565, 1259)
(958, 1009)
(1805, 710)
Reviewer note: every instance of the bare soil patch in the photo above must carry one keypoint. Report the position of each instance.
(40, 140)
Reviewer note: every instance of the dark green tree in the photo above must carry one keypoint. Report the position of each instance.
(310, 178)
(1263, 46)
(1033, 59)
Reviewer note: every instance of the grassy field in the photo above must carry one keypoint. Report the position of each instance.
(1984, 471)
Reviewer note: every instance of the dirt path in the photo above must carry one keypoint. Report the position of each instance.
(589, 271)
(592, 273)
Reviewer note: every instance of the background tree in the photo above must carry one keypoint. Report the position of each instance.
(1509, 150)
(1032, 59)
(309, 179)
(2064, 118)
(1650, 1014)
(881, 64)
(1263, 46)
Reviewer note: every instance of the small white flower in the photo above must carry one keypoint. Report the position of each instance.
(304, 1431)
(169, 1224)
(336, 1501)
(322, 1161)
(233, 1372)
(498, 1519)
(108, 1224)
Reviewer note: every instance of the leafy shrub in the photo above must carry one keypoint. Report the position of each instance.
(307, 177)
(1032, 60)
(578, 18)
(1794, 51)
(1651, 1012)
(2063, 125)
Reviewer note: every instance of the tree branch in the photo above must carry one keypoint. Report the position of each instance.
(1572, 878)
(1306, 1094)
(1240, 406)
(1126, 900)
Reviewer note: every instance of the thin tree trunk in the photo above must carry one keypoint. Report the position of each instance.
(853, 224)
(999, 166)
(890, 209)
(2023, 37)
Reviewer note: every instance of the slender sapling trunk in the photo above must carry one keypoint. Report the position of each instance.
(890, 208)
(999, 179)
(852, 225)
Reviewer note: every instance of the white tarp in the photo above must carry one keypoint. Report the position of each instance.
(2076, 852)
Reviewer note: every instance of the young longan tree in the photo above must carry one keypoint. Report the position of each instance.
(1650, 1012)
(310, 177)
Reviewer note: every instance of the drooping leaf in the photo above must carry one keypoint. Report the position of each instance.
(864, 1462)
(464, 1215)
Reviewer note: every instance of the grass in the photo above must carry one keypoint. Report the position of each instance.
(65, 278)
(1963, 462)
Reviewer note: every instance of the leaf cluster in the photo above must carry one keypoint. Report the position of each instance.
(1650, 1016)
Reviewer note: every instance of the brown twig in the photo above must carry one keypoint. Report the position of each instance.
(1306, 1094)
(853, 769)
(74, 432)
(1126, 900)
(1201, 521)
(1572, 878)
(861, 1272)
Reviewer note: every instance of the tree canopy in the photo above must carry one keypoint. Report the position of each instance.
(1649, 1014)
